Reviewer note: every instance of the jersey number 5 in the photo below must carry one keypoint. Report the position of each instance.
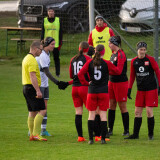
(97, 73)
(77, 66)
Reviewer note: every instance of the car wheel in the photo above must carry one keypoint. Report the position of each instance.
(78, 19)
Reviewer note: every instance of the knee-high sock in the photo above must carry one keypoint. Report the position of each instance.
(111, 118)
(30, 124)
(37, 124)
(78, 123)
(97, 127)
(150, 125)
(90, 129)
(137, 125)
(125, 119)
(44, 123)
(103, 129)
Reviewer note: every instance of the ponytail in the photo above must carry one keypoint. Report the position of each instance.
(97, 59)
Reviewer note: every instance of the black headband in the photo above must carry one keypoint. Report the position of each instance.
(141, 44)
(48, 41)
(114, 41)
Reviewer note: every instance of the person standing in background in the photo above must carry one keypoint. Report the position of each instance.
(100, 35)
(52, 27)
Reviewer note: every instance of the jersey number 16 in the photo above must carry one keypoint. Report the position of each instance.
(77, 67)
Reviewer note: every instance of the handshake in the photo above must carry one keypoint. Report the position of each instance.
(62, 85)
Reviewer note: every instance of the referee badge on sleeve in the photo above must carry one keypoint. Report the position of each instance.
(146, 63)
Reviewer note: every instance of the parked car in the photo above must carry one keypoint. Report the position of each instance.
(74, 13)
(137, 16)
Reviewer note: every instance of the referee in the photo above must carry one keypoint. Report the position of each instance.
(31, 91)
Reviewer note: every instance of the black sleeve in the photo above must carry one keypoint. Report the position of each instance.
(49, 75)
(42, 32)
(60, 33)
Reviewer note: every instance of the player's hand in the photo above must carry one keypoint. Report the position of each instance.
(39, 94)
(129, 93)
(62, 85)
(159, 91)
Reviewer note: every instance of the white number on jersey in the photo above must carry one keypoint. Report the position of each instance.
(97, 73)
(77, 66)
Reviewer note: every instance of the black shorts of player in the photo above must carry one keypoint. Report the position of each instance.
(33, 103)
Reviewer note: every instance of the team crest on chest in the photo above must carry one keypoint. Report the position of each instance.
(146, 63)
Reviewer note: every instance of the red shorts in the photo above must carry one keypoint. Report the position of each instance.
(97, 99)
(79, 95)
(147, 98)
(118, 91)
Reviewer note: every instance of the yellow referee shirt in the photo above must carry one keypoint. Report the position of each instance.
(29, 64)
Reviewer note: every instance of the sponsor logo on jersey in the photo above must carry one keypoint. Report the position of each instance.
(100, 42)
(141, 69)
(100, 38)
(146, 63)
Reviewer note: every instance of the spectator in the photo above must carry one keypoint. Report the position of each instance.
(52, 27)
(100, 35)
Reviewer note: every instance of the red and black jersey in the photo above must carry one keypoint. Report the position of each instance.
(115, 59)
(143, 69)
(99, 76)
(75, 67)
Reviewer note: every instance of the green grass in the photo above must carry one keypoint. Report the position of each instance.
(71, 41)
(63, 145)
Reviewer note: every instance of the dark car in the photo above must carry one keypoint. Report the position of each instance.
(74, 13)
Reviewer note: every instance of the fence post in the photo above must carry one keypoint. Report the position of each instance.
(91, 15)
(156, 32)
(22, 3)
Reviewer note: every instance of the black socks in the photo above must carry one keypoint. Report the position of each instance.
(78, 123)
(125, 119)
(111, 118)
(137, 126)
(150, 126)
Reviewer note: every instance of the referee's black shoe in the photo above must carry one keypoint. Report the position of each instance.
(132, 137)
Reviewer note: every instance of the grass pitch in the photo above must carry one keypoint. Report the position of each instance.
(63, 145)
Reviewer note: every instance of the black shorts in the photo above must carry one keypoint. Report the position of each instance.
(45, 92)
(33, 103)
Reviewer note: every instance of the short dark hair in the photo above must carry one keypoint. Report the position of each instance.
(35, 44)
(50, 8)
(141, 44)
